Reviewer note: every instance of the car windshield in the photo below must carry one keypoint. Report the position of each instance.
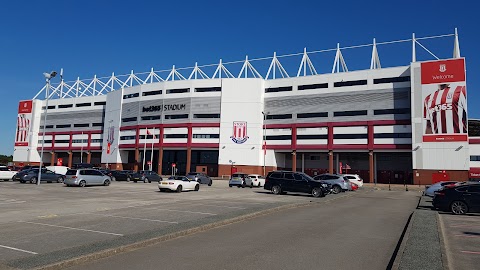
(306, 176)
(177, 178)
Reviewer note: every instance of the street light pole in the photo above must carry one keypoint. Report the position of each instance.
(48, 76)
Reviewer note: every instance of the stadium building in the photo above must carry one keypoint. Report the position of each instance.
(403, 124)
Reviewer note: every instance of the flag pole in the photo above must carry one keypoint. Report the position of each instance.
(144, 148)
(151, 154)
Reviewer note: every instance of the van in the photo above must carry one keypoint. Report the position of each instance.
(58, 169)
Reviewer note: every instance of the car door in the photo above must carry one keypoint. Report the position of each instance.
(48, 175)
(288, 182)
(301, 183)
(97, 177)
(472, 197)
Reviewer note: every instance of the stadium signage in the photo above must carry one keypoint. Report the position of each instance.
(166, 107)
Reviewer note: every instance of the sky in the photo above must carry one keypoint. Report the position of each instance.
(88, 38)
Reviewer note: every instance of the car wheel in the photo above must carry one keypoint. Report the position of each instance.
(243, 185)
(146, 180)
(82, 183)
(106, 183)
(239, 186)
(259, 184)
(23, 182)
(251, 185)
(336, 189)
(33, 180)
(317, 192)
(128, 179)
(230, 185)
(179, 189)
(60, 180)
(197, 187)
(459, 208)
(277, 190)
(210, 183)
(113, 178)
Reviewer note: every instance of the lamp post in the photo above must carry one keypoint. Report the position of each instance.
(264, 142)
(48, 77)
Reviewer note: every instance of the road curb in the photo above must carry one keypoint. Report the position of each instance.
(145, 243)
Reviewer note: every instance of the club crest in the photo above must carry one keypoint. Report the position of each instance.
(111, 135)
(239, 132)
(442, 68)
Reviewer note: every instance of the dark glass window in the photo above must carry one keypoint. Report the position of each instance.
(275, 175)
(350, 113)
(178, 91)
(278, 116)
(98, 103)
(176, 116)
(148, 137)
(392, 135)
(81, 125)
(151, 117)
(62, 141)
(80, 141)
(134, 95)
(312, 137)
(175, 136)
(96, 141)
(63, 106)
(152, 93)
(278, 137)
(49, 107)
(83, 104)
(391, 80)
(278, 89)
(350, 136)
(392, 111)
(46, 141)
(126, 138)
(129, 119)
(312, 115)
(97, 124)
(313, 86)
(206, 136)
(207, 115)
(48, 126)
(474, 158)
(289, 176)
(473, 128)
(63, 126)
(208, 89)
(350, 83)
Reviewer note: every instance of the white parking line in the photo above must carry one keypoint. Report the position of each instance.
(12, 202)
(71, 228)
(17, 249)
(182, 211)
(144, 219)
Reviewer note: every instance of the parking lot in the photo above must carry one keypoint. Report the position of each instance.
(49, 223)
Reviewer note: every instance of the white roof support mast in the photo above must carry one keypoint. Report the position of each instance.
(339, 61)
(274, 65)
(246, 67)
(375, 62)
(303, 65)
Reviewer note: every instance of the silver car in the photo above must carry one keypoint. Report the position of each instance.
(86, 177)
(240, 180)
(339, 183)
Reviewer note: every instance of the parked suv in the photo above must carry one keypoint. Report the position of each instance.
(200, 178)
(240, 180)
(86, 177)
(282, 181)
(339, 183)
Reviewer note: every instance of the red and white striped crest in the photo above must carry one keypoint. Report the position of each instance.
(239, 132)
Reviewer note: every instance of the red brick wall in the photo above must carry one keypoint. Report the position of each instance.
(226, 169)
(424, 177)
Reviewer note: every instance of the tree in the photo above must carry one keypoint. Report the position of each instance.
(5, 159)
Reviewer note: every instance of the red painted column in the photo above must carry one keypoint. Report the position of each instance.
(160, 150)
(189, 147)
(371, 137)
(330, 147)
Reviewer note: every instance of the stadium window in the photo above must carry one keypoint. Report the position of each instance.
(127, 138)
(99, 103)
(278, 89)
(97, 124)
(63, 126)
(474, 128)
(312, 137)
(63, 106)
(49, 107)
(152, 93)
(62, 141)
(81, 125)
(313, 86)
(176, 116)
(96, 141)
(47, 127)
(392, 111)
(129, 119)
(207, 115)
(350, 136)
(208, 89)
(312, 115)
(46, 141)
(391, 80)
(206, 136)
(474, 158)
(278, 116)
(178, 91)
(175, 136)
(278, 137)
(350, 83)
(350, 113)
(134, 95)
(83, 104)
(392, 135)
(152, 117)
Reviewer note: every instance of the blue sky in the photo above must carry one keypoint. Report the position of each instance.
(100, 37)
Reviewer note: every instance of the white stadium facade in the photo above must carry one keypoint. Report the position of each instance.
(404, 124)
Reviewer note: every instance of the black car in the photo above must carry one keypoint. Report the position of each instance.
(282, 181)
(459, 199)
(121, 175)
(149, 176)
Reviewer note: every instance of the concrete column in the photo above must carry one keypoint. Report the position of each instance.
(189, 159)
(137, 158)
(160, 160)
(52, 159)
(89, 157)
(337, 163)
(371, 166)
(70, 159)
(330, 161)
(294, 161)
(303, 162)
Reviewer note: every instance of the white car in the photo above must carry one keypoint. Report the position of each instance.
(178, 184)
(354, 178)
(6, 173)
(257, 180)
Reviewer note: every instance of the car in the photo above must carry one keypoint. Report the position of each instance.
(279, 182)
(82, 166)
(354, 178)
(339, 183)
(430, 190)
(354, 186)
(459, 199)
(200, 177)
(86, 177)
(240, 180)
(124, 175)
(6, 174)
(135, 176)
(47, 175)
(29, 167)
(178, 183)
(58, 169)
(257, 180)
(149, 176)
